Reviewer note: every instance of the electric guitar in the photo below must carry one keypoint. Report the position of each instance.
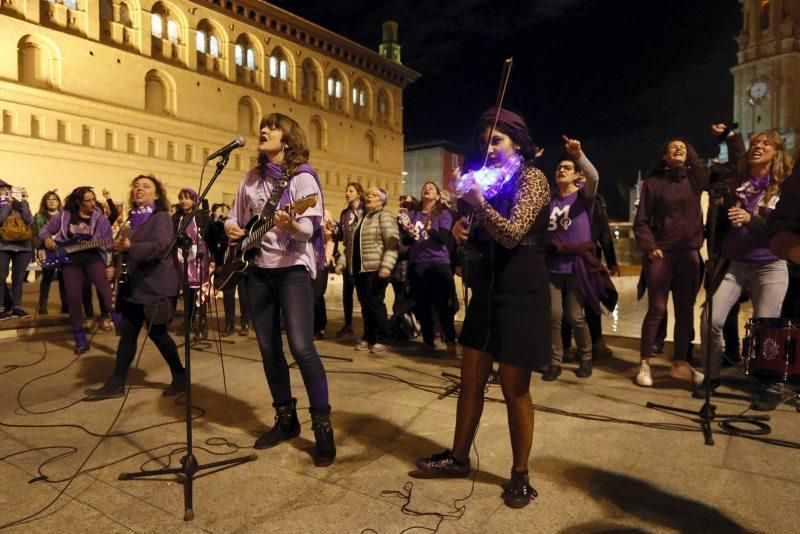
(240, 253)
(119, 284)
(50, 259)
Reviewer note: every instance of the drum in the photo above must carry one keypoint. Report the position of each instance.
(771, 350)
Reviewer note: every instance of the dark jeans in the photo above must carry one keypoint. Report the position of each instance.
(44, 286)
(74, 275)
(348, 285)
(680, 272)
(132, 321)
(431, 285)
(286, 291)
(19, 263)
(371, 290)
(88, 305)
(229, 304)
(320, 285)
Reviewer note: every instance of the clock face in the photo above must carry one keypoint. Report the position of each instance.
(759, 90)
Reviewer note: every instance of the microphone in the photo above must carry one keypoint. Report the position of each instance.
(227, 149)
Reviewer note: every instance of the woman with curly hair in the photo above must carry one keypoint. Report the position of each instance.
(49, 206)
(151, 282)
(81, 218)
(669, 230)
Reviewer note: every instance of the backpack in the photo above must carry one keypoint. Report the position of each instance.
(14, 228)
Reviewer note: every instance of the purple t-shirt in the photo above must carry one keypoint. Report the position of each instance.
(570, 222)
(747, 246)
(426, 249)
(278, 247)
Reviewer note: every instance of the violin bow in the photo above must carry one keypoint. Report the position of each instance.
(501, 95)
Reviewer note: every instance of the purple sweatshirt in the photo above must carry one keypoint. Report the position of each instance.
(431, 246)
(749, 243)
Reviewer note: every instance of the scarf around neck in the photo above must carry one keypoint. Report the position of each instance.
(138, 216)
(752, 192)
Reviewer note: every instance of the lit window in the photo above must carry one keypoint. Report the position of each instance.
(361, 100)
(238, 55)
(330, 86)
(355, 95)
(213, 45)
(338, 89)
(172, 31)
(71, 4)
(251, 59)
(284, 70)
(156, 25)
(273, 67)
(201, 41)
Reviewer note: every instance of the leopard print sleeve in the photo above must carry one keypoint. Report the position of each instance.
(531, 195)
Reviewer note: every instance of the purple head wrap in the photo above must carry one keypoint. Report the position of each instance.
(509, 122)
(191, 192)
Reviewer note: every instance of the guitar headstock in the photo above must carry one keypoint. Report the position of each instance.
(300, 206)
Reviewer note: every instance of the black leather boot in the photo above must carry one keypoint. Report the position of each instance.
(325, 451)
(114, 388)
(177, 386)
(286, 426)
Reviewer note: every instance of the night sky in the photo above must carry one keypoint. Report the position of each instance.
(620, 76)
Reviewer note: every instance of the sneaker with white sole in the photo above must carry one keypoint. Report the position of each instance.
(686, 373)
(377, 348)
(644, 378)
(362, 345)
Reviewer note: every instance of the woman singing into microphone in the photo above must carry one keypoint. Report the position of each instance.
(508, 318)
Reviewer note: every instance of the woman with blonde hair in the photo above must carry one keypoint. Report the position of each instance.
(748, 193)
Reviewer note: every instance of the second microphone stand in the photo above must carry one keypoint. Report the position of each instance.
(189, 465)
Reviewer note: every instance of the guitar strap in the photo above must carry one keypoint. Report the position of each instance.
(271, 206)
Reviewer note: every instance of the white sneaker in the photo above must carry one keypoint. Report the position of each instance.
(361, 345)
(687, 373)
(644, 378)
(377, 348)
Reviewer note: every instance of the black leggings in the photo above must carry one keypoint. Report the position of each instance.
(132, 321)
(348, 286)
(431, 286)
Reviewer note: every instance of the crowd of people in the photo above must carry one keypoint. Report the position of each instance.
(529, 253)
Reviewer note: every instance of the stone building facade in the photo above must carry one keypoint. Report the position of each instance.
(94, 92)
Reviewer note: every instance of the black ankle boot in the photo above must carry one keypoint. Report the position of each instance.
(177, 386)
(518, 492)
(286, 426)
(42, 307)
(325, 451)
(112, 389)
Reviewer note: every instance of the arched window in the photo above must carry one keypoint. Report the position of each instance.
(154, 96)
(278, 66)
(383, 107)
(244, 53)
(32, 69)
(369, 142)
(213, 46)
(125, 15)
(251, 59)
(246, 115)
(310, 88)
(156, 25)
(200, 41)
(173, 31)
(359, 98)
(315, 132)
(334, 87)
(765, 12)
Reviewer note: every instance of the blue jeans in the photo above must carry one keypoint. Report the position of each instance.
(19, 263)
(767, 284)
(286, 291)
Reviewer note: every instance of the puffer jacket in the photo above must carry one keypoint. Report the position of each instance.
(379, 242)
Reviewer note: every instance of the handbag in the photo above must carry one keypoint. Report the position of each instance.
(14, 228)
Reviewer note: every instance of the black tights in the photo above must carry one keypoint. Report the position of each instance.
(132, 321)
(476, 366)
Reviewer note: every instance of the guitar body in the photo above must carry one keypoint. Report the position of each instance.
(238, 257)
(240, 253)
(52, 259)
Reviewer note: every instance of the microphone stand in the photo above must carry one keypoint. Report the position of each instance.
(707, 413)
(189, 464)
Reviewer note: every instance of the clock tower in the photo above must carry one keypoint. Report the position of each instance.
(766, 80)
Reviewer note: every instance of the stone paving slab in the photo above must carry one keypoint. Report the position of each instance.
(595, 469)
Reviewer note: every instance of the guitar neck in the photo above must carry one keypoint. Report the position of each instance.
(88, 245)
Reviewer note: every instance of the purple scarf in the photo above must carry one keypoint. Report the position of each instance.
(275, 171)
(138, 216)
(751, 192)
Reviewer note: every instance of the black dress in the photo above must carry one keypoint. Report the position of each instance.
(508, 315)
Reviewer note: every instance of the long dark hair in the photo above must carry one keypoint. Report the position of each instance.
(73, 201)
(161, 202)
(43, 204)
(438, 206)
(294, 137)
(695, 170)
(359, 189)
(477, 151)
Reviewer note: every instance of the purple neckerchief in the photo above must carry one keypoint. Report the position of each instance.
(752, 191)
(138, 216)
(275, 171)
